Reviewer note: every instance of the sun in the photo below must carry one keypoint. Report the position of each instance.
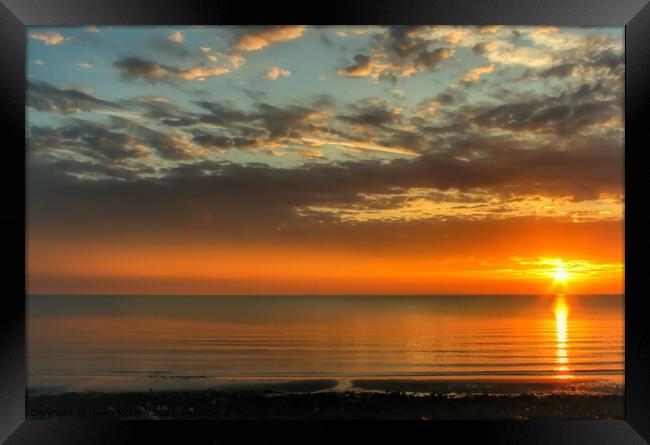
(561, 275)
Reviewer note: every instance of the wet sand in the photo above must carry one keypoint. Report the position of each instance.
(539, 386)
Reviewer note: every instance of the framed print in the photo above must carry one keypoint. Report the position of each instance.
(268, 223)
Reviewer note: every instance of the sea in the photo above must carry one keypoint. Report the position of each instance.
(485, 343)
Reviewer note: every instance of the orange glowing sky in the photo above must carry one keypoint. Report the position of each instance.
(481, 259)
(401, 160)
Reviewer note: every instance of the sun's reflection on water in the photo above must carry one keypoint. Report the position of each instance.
(561, 310)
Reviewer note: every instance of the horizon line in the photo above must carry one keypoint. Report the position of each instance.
(323, 295)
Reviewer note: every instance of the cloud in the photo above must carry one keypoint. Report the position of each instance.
(611, 59)
(473, 205)
(563, 115)
(275, 72)
(86, 138)
(398, 52)
(489, 29)
(475, 74)
(202, 72)
(268, 127)
(401, 51)
(349, 166)
(85, 66)
(508, 53)
(206, 50)
(426, 107)
(220, 114)
(412, 141)
(176, 36)
(235, 60)
(562, 70)
(283, 121)
(362, 67)
(443, 124)
(219, 143)
(169, 145)
(171, 45)
(119, 140)
(49, 38)
(44, 97)
(255, 38)
(361, 145)
(480, 48)
(445, 99)
(311, 153)
(160, 109)
(371, 114)
(259, 197)
(429, 60)
(152, 72)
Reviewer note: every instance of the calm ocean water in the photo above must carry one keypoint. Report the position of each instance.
(120, 342)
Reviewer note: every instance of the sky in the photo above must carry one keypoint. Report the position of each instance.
(325, 160)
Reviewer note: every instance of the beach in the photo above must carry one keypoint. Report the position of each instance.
(308, 400)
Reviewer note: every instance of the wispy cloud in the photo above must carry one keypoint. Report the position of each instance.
(274, 73)
(475, 73)
(202, 72)
(49, 38)
(360, 145)
(153, 72)
(256, 38)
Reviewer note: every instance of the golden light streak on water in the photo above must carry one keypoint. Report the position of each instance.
(561, 310)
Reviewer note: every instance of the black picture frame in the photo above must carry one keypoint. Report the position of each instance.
(15, 15)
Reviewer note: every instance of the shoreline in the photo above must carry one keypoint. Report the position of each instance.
(274, 404)
(591, 385)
